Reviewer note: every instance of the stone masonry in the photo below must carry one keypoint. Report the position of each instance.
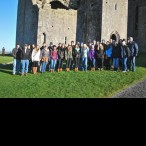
(63, 21)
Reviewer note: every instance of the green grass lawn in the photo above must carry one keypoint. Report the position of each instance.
(5, 59)
(69, 85)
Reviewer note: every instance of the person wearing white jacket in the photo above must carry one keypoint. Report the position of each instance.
(36, 57)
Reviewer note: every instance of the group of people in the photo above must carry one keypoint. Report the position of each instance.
(92, 56)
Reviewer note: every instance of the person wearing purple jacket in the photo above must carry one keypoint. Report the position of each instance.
(54, 58)
(92, 57)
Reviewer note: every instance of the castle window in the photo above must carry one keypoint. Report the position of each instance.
(57, 5)
(92, 5)
(116, 6)
(44, 34)
(65, 40)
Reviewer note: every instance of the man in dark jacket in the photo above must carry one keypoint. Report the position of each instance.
(61, 55)
(50, 49)
(73, 54)
(133, 46)
(116, 52)
(25, 57)
(16, 52)
(125, 53)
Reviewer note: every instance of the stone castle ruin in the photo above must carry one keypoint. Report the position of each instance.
(63, 21)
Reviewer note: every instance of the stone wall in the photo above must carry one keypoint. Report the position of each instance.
(27, 23)
(89, 20)
(137, 22)
(57, 24)
(114, 19)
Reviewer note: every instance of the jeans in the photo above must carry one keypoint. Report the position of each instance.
(124, 64)
(43, 67)
(116, 63)
(18, 66)
(14, 66)
(131, 62)
(60, 63)
(25, 65)
(92, 61)
(84, 63)
(53, 64)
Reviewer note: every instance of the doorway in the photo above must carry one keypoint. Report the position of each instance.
(115, 36)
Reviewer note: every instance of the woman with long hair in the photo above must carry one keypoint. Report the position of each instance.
(69, 57)
(77, 57)
(35, 57)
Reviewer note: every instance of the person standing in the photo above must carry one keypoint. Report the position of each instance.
(45, 58)
(100, 56)
(50, 49)
(91, 57)
(84, 54)
(54, 57)
(116, 56)
(25, 57)
(60, 57)
(16, 52)
(77, 57)
(133, 46)
(35, 57)
(108, 53)
(68, 57)
(125, 53)
(73, 54)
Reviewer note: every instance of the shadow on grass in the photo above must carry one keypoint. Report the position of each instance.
(5, 71)
(141, 60)
(6, 68)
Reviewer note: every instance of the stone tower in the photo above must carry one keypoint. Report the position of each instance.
(137, 22)
(47, 21)
(102, 19)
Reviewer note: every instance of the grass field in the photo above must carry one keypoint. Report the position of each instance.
(69, 85)
(5, 59)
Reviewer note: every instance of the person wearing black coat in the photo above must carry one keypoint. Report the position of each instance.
(116, 56)
(61, 55)
(77, 57)
(134, 49)
(17, 59)
(125, 53)
(25, 57)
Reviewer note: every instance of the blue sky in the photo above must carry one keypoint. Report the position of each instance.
(8, 18)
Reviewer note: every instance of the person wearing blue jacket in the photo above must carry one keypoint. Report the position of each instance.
(133, 46)
(108, 53)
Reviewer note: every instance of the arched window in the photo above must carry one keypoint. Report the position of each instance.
(44, 34)
(65, 40)
(116, 6)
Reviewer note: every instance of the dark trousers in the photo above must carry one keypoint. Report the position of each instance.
(100, 62)
(77, 62)
(60, 63)
(108, 63)
(73, 63)
(68, 63)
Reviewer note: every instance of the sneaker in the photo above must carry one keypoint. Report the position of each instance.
(22, 75)
(124, 71)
